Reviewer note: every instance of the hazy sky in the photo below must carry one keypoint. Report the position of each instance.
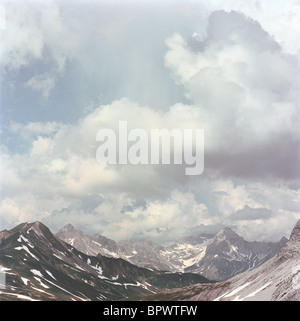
(72, 67)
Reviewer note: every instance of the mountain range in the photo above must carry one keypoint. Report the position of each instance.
(228, 254)
(39, 266)
(278, 279)
(144, 253)
(216, 257)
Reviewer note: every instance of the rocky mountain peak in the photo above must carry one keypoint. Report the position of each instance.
(226, 233)
(277, 279)
(46, 268)
(36, 226)
(68, 227)
(229, 254)
(295, 234)
(69, 231)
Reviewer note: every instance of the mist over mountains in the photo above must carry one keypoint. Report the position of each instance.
(278, 279)
(217, 257)
(73, 69)
(39, 265)
(221, 66)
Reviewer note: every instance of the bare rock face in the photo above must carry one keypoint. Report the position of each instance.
(144, 253)
(90, 245)
(295, 234)
(228, 254)
(217, 257)
(37, 265)
(278, 279)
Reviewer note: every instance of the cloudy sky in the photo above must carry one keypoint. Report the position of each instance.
(72, 67)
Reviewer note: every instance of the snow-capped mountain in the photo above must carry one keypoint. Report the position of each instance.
(228, 254)
(147, 254)
(217, 257)
(90, 245)
(37, 265)
(278, 279)
(174, 257)
(144, 253)
(187, 252)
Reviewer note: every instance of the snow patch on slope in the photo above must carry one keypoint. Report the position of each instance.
(24, 247)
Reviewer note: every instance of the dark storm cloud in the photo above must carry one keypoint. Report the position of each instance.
(248, 213)
(69, 65)
(278, 157)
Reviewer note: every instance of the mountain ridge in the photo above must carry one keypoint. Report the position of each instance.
(39, 266)
(217, 257)
(143, 253)
(229, 254)
(278, 279)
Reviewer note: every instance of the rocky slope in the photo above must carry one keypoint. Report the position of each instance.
(37, 265)
(90, 245)
(278, 279)
(144, 253)
(228, 254)
(216, 257)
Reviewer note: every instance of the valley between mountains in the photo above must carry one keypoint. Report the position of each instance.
(36, 264)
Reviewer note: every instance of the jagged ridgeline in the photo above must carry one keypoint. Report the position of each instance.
(216, 257)
(37, 265)
(275, 280)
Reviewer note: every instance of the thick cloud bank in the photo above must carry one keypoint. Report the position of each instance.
(240, 83)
